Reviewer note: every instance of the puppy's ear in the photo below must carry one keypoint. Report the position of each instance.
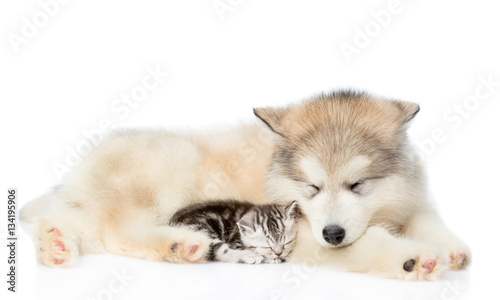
(272, 117)
(407, 110)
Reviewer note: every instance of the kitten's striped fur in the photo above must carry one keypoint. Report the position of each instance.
(242, 232)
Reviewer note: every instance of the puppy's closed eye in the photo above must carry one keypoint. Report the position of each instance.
(357, 186)
(312, 190)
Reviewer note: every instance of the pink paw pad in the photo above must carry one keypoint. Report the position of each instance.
(55, 231)
(429, 265)
(58, 261)
(58, 245)
(188, 251)
(57, 251)
(192, 249)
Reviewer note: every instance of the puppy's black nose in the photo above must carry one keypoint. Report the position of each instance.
(333, 234)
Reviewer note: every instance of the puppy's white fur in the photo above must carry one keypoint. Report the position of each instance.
(120, 198)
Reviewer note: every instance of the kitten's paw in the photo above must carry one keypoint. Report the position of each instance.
(190, 250)
(251, 258)
(428, 264)
(56, 248)
(273, 260)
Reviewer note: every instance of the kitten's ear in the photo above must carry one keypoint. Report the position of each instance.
(292, 211)
(246, 223)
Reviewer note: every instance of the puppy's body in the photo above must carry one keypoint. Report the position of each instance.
(345, 157)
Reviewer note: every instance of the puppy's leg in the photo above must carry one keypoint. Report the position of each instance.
(427, 226)
(178, 245)
(376, 252)
(147, 240)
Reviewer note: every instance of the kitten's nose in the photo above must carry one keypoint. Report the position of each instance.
(278, 252)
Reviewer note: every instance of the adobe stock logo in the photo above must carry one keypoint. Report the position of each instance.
(30, 27)
(116, 285)
(364, 35)
(222, 7)
(455, 116)
(121, 107)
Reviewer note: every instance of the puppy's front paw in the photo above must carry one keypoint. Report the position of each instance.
(459, 255)
(428, 264)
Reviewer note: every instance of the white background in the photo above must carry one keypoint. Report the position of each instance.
(64, 80)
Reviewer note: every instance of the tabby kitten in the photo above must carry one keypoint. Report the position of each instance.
(242, 232)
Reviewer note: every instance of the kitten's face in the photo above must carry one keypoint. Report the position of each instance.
(270, 232)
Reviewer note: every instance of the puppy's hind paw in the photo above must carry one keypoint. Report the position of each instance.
(56, 249)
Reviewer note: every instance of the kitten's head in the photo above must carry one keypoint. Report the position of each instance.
(270, 230)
